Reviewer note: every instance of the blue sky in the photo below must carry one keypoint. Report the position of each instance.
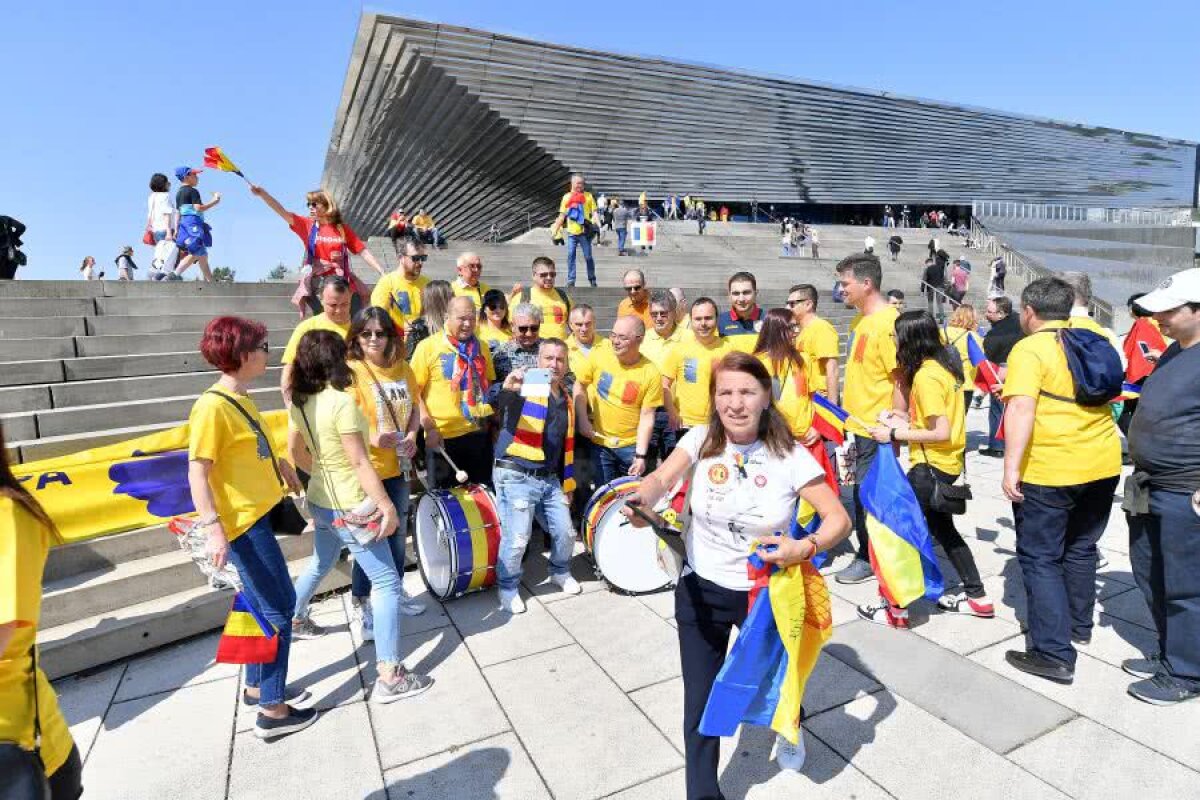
(99, 96)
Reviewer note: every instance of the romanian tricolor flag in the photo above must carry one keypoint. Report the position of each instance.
(215, 158)
(248, 637)
(899, 543)
(1130, 391)
(987, 376)
(829, 419)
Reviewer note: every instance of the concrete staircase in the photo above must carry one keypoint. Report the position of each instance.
(84, 364)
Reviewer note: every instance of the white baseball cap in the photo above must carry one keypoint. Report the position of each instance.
(1182, 287)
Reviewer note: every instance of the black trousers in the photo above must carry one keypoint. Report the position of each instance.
(705, 613)
(941, 527)
(472, 452)
(865, 449)
(67, 781)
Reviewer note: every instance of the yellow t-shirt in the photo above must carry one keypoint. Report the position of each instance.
(475, 292)
(397, 389)
(656, 348)
(554, 310)
(1071, 444)
(400, 296)
(331, 413)
(493, 336)
(688, 366)
(818, 340)
(423, 221)
(959, 338)
(791, 389)
(937, 393)
(617, 394)
(433, 367)
(24, 544)
(577, 355)
(318, 323)
(243, 480)
(589, 211)
(870, 362)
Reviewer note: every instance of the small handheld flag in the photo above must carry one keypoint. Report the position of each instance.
(986, 375)
(248, 638)
(829, 419)
(215, 158)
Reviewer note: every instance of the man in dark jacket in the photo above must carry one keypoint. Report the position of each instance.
(997, 344)
(11, 256)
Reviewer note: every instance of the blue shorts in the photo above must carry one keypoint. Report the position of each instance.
(194, 236)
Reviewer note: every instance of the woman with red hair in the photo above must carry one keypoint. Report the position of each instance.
(236, 479)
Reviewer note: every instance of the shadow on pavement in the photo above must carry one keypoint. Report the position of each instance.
(472, 776)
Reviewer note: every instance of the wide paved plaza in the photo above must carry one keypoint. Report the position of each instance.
(581, 698)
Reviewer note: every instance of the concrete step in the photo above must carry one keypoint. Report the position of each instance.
(55, 446)
(132, 365)
(41, 348)
(88, 289)
(41, 327)
(105, 637)
(106, 552)
(175, 323)
(139, 344)
(202, 304)
(45, 306)
(16, 373)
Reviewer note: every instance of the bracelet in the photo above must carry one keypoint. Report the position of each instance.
(640, 455)
(206, 523)
(812, 539)
(891, 434)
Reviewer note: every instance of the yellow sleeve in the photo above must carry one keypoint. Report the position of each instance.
(562, 207)
(825, 342)
(206, 430)
(380, 296)
(345, 415)
(654, 391)
(289, 352)
(1024, 374)
(22, 558)
(586, 370)
(929, 395)
(671, 363)
(887, 350)
(487, 359)
(420, 366)
(589, 205)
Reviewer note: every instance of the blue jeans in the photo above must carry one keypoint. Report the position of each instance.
(1164, 551)
(995, 412)
(520, 496)
(265, 581)
(662, 440)
(612, 462)
(1057, 531)
(377, 562)
(397, 490)
(622, 232)
(572, 241)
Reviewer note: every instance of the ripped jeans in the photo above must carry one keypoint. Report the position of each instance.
(520, 497)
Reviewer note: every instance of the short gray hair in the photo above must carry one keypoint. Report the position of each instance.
(528, 310)
(1081, 284)
(664, 298)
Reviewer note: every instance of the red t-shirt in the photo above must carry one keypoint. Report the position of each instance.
(329, 240)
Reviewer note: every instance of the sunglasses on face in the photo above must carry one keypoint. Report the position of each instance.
(794, 303)
(636, 288)
(418, 259)
(545, 274)
(373, 335)
(528, 328)
(266, 348)
(315, 204)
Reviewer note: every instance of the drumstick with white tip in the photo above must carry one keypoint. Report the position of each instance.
(459, 475)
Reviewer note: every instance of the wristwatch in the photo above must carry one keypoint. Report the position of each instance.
(642, 456)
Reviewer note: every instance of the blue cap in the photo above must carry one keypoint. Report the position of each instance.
(183, 172)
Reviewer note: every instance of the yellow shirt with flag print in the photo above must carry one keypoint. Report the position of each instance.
(399, 296)
(554, 310)
(475, 292)
(24, 545)
(937, 393)
(792, 392)
(817, 340)
(688, 366)
(318, 323)
(617, 394)
(1071, 444)
(589, 211)
(870, 362)
(243, 480)
(433, 369)
(577, 355)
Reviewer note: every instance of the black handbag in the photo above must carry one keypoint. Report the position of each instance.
(23, 770)
(284, 517)
(947, 498)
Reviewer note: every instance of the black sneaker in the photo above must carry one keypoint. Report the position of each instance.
(294, 696)
(1142, 667)
(1163, 690)
(991, 452)
(297, 720)
(1042, 666)
(859, 571)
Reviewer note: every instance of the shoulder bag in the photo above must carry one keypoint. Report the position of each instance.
(947, 498)
(285, 517)
(23, 770)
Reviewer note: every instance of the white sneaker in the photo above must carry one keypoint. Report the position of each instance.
(790, 756)
(409, 605)
(511, 601)
(363, 620)
(567, 583)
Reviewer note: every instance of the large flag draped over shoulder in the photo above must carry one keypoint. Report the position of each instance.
(123, 486)
(901, 549)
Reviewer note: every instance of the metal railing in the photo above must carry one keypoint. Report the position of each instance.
(1063, 212)
(1025, 269)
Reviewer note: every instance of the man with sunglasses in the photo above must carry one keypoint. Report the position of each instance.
(555, 305)
(818, 339)
(469, 267)
(637, 302)
(399, 292)
(742, 322)
(521, 351)
(335, 316)
(660, 341)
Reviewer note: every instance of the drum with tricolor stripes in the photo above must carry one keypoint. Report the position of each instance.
(457, 536)
(625, 556)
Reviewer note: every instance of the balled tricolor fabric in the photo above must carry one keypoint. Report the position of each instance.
(987, 376)
(248, 638)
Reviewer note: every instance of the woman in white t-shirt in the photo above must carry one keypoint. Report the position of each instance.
(160, 221)
(747, 473)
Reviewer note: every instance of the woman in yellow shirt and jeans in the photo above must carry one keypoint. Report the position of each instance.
(26, 534)
(936, 434)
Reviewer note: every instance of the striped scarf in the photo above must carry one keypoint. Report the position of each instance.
(470, 378)
(527, 439)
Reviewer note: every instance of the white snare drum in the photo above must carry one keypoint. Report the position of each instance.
(457, 537)
(626, 557)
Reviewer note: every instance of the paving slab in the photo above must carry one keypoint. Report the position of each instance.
(458, 709)
(1114, 640)
(1129, 606)
(662, 703)
(673, 784)
(333, 758)
(661, 603)
(496, 768)
(1121, 768)
(536, 573)
(84, 700)
(153, 746)
(1099, 693)
(631, 643)
(173, 667)
(588, 738)
(964, 633)
(912, 754)
(983, 705)
(494, 635)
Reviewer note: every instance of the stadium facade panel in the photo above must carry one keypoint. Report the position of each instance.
(481, 128)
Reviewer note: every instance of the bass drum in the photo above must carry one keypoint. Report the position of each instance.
(625, 557)
(457, 538)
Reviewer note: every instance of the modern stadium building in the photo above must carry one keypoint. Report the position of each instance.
(484, 129)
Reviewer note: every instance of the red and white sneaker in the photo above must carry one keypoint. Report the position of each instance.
(883, 613)
(959, 603)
